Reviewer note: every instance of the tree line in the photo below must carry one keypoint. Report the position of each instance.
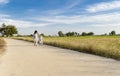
(61, 34)
(8, 30)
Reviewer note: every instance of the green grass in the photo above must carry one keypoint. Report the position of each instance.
(2, 44)
(107, 46)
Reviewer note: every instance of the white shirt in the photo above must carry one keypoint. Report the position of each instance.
(36, 37)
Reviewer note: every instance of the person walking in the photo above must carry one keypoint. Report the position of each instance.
(36, 38)
(41, 40)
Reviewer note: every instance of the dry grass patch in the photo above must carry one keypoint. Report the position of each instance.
(2, 44)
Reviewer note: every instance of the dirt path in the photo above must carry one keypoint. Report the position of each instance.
(23, 59)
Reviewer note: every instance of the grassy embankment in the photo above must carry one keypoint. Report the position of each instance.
(2, 44)
(107, 46)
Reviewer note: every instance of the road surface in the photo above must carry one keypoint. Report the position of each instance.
(23, 59)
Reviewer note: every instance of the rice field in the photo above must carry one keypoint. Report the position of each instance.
(107, 46)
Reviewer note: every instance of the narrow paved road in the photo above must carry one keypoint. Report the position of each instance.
(23, 59)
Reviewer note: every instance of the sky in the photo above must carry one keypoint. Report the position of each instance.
(51, 16)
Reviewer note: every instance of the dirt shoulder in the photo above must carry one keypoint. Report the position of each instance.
(2, 45)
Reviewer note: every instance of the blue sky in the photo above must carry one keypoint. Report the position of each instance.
(50, 16)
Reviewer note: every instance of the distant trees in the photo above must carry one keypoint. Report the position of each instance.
(60, 34)
(87, 34)
(72, 34)
(8, 30)
(112, 33)
(91, 33)
(84, 34)
(42, 34)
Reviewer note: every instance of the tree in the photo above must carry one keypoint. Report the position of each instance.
(2, 29)
(112, 33)
(76, 34)
(8, 30)
(60, 33)
(42, 34)
(72, 34)
(68, 34)
(90, 33)
(105, 34)
(84, 34)
(87, 34)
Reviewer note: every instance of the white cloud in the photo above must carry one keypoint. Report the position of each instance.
(73, 4)
(104, 6)
(4, 1)
(21, 23)
(111, 19)
(82, 19)
(4, 16)
(64, 8)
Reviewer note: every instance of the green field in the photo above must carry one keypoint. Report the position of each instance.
(107, 46)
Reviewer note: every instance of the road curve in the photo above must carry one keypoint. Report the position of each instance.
(23, 59)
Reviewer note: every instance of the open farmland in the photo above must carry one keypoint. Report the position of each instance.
(107, 46)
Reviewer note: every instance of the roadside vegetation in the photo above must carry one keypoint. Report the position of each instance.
(107, 46)
(2, 44)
